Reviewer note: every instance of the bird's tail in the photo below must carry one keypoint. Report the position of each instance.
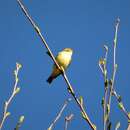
(50, 79)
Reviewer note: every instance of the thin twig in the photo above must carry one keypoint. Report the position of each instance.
(117, 126)
(67, 120)
(16, 89)
(21, 120)
(103, 67)
(105, 87)
(66, 125)
(104, 110)
(69, 87)
(123, 109)
(59, 115)
(114, 64)
(128, 128)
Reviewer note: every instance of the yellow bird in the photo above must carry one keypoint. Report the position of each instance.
(63, 59)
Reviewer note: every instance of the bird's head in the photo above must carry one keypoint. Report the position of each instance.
(68, 50)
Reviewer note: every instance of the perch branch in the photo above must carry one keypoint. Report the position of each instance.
(69, 87)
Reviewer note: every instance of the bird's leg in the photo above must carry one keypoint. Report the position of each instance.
(62, 69)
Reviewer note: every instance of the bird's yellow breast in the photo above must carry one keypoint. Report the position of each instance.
(64, 59)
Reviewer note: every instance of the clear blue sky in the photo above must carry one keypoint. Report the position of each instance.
(84, 25)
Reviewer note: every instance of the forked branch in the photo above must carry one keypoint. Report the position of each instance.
(59, 114)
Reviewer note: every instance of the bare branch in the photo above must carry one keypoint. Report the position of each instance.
(67, 120)
(59, 115)
(103, 67)
(110, 84)
(16, 89)
(114, 64)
